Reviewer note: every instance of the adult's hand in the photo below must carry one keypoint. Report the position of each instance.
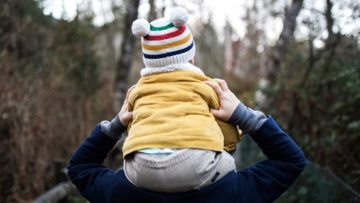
(228, 100)
(124, 115)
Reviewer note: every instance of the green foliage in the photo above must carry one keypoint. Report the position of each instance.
(321, 110)
(318, 185)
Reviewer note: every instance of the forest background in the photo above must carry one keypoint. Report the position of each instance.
(296, 60)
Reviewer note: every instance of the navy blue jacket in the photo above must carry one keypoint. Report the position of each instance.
(261, 182)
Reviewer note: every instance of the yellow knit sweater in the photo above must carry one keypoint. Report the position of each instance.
(171, 110)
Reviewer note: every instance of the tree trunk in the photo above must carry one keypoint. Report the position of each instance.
(228, 50)
(333, 38)
(329, 21)
(152, 12)
(278, 53)
(127, 50)
(330, 46)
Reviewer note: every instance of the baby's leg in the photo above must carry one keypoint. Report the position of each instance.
(180, 171)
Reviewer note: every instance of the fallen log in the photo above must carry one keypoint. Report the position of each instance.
(56, 193)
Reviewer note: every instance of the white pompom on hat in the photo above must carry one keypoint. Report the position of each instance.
(179, 17)
(166, 42)
(140, 27)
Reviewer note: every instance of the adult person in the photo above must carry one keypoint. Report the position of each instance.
(261, 182)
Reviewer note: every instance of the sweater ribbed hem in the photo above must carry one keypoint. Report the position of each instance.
(134, 147)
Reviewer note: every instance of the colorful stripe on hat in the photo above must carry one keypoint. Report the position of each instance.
(166, 36)
(158, 56)
(168, 45)
(154, 28)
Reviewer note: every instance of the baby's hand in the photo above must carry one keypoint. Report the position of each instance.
(228, 101)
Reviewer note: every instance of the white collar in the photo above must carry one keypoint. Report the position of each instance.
(183, 66)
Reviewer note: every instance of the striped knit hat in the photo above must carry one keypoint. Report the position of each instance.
(166, 43)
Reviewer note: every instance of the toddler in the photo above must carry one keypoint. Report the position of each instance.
(174, 143)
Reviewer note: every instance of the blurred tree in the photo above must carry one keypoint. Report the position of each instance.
(316, 99)
(249, 58)
(209, 52)
(277, 54)
(48, 82)
(152, 13)
(315, 55)
(228, 50)
(127, 50)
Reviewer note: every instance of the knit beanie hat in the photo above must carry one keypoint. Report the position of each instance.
(166, 42)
